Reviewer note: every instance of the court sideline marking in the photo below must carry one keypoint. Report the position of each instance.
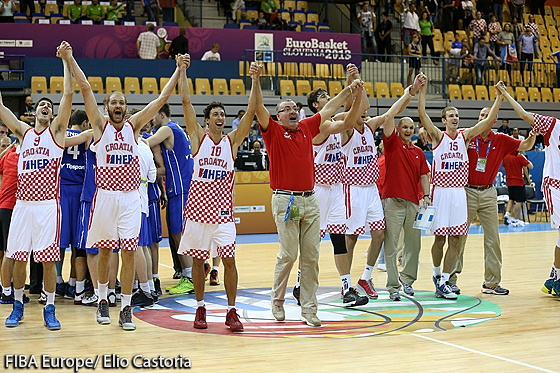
(484, 353)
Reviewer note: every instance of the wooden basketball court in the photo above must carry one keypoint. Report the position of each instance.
(522, 337)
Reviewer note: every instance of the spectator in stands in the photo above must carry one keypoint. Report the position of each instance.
(427, 32)
(515, 166)
(383, 34)
(478, 27)
(537, 6)
(368, 24)
(494, 28)
(237, 119)
(28, 115)
(467, 60)
(515, 134)
(498, 9)
(212, 55)
(468, 13)
(23, 4)
(504, 128)
(75, 12)
(516, 30)
(113, 11)
(261, 22)
(415, 61)
(557, 55)
(456, 56)
(527, 47)
(516, 10)
(95, 12)
(7, 10)
(147, 44)
(457, 44)
(410, 25)
(481, 52)
(447, 8)
(179, 45)
(256, 147)
(301, 111)
(505, 37)
(485, 7)
(237, 9)
(152, 9)
(267, 6)
(423, 142)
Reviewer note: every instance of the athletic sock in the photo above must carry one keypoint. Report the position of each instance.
(215, 268)
(59, 280)
(145, 287)
(200, 303)
(367, 273)
(437, 271)
(125, 300)
(18, 294)
(109, 291)
(80, 285)
(72, 281)
(187, 272)
(155, 275)
(230, 307)
(102, 290)
(6, 291)
(346, 282)
(298, 283)
(151, 285)
(444, 278)
(50, 298)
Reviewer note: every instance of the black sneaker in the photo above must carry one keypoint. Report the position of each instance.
(125, 319)
(7, 299)
(352, 299)
(118, 287)
(154, 297)
(295, 293)
(498, 290)
(157, 286)
(506, 221)
(103, 313)
(142, 299)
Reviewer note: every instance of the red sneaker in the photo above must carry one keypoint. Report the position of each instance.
(214, 278)
(366, 287)
(232, 320)
(200, 318)
(207, 268)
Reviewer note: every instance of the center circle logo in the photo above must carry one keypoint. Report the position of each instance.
(422, 313)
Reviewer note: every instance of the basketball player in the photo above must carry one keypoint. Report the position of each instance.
(175, 148)
(115, 218)
(450, 171)
(209, 226)
(36, 216)
(550, 129)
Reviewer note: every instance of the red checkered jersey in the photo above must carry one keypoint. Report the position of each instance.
(8, 169)
(39, 166)
(210, 199)
(450, 166)
(513, 164)
(551, 132)
(361, 166)
(329, 161)
(117, 163)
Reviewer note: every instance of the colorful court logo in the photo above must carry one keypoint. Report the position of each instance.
(422, 313)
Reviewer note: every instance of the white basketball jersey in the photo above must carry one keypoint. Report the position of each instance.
(210, 197)
(39, 166)
(329, 162)
(361, 166)
(117, 164)
(551, 132)
(450, 166)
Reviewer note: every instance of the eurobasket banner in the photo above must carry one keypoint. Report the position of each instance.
(264, 46)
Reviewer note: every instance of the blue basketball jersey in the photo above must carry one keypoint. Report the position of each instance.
(73, 162)
(153, 189)
(89, 187)
(178, 162)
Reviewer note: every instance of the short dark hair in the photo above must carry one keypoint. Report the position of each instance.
(165, 110)
(182, 31)
(78, 117)
(44, 99)
(312, 98)
(240, 111)
(150, 27)
(385, 14)
(212, 105)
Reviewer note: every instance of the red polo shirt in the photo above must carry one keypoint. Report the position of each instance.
(8, 169)
(500, 146)
(513, 164)
(291, 154)
(404, 164)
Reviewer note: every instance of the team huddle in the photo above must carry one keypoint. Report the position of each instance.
(324, 172)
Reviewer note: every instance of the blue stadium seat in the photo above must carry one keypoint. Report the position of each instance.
(170, 24)
(231, 25)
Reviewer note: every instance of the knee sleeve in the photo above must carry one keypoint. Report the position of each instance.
(339, 244)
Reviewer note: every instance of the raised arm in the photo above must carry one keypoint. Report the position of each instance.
(433, 131)
(195, 131)
(529, 142)
(15, 125)
(525, 115)
(60, 123)
(238, 135)
(330, 127)
(487, 122)
(95, 116)
(140, 119)
(399, 106)
(78, 139)
(263, 115)
(335, 103)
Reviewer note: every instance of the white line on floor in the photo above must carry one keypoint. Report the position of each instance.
(484, 353)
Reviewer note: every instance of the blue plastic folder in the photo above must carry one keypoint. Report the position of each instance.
(425, 218)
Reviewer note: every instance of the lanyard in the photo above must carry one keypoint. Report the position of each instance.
(487, 150)
(289, 208)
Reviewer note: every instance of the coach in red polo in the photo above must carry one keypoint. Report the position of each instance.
(486, 153)
(405, 166)
(295, 208)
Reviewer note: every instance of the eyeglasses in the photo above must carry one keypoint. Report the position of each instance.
(3, 132)
(288, 109)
